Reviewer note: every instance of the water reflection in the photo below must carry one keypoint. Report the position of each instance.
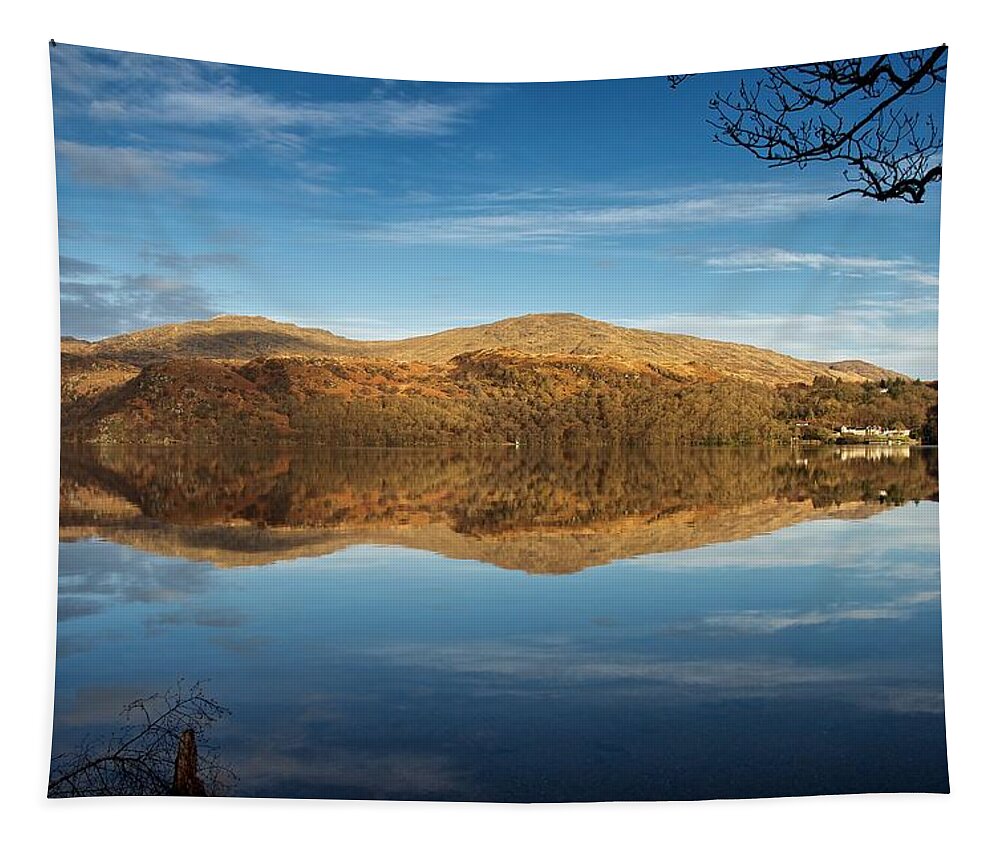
(766, 623)
(546, 512)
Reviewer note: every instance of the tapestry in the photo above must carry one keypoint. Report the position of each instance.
(530, 442)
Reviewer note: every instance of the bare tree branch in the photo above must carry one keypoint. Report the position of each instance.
(863, 113)
(674, 80)
(155, 747)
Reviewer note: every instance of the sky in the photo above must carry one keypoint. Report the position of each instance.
(382, 209)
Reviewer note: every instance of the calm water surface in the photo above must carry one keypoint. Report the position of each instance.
(517, 626)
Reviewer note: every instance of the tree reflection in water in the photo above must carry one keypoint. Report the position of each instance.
(547, 511)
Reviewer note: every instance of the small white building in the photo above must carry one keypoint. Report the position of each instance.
(862, 431)
(876, 431)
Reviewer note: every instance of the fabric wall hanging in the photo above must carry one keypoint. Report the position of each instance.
(536, 442)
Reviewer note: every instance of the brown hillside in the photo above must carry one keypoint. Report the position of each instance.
(238, 338)
(74, 345)
(493, 396)
(569, 333)
(864, 369)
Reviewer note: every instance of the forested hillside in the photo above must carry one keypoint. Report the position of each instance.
(484, 397)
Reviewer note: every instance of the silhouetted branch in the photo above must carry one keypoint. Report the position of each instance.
(155, 753)
(674, 80)
(855, 111)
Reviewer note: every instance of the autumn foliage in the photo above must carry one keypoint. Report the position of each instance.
(484, 397)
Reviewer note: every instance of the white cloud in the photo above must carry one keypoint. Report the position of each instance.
(565, 662)
(897, 334)
(770, 259)
(336, 118)
(109, 86)
(86, 72)
(758, 622)
(558, 225)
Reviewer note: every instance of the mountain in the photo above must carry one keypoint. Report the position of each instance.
(569, 333)
(868, 371)
(242, 338)
(238, 338)
(74, 345)
(486, 397)
(539, 379)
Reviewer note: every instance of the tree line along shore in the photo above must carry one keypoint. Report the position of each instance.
(485, 397)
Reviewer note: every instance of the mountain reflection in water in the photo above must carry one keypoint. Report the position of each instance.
(541, 511)
(718, 643)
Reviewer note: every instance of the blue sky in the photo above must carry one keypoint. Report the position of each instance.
(381, 209)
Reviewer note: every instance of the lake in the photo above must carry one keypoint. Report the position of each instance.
(512, 624)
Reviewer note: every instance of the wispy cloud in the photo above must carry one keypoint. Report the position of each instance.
(559, 224)
(255, 111)
(71, 267)
(109, 86)
(898, 333)
(570, 663)
(210, 618)
(97, 308)
(131, 168)
(161, 285)
(75, 229)
(762, 623)
(179, 262)
(770, 259)
(89, 72)
(542, 660)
